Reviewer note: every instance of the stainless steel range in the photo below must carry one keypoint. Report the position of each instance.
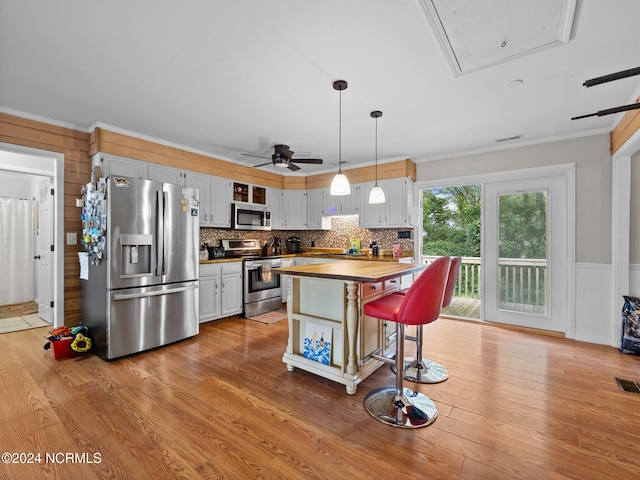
(262, 290)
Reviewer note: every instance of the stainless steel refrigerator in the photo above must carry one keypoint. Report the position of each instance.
(140, 271)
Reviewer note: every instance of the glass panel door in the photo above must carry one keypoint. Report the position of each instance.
(524, 273)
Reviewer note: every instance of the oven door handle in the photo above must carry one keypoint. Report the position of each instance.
(250, 268)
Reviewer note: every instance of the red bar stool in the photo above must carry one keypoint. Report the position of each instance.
(425, 370)
(399, 406)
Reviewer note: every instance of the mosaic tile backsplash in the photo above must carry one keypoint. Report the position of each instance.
(342, 229)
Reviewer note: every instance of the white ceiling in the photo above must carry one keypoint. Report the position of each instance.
(226, 77)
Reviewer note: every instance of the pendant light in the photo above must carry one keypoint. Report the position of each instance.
(377, 194)
(340, 183)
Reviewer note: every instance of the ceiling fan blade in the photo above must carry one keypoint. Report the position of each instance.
(293, 167)
(252, 155)
(610, 111)
(316, 161)
(263, 164)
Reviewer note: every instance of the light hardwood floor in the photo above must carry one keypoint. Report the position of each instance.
(222, 405)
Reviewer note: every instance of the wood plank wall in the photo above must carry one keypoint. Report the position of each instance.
(629, 124)
(77, 171)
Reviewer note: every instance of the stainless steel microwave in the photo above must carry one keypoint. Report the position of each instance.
(244, 217)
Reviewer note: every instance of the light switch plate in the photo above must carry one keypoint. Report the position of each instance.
(72, 238)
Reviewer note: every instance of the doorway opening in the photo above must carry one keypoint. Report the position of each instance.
(31, 270)
(452, 226)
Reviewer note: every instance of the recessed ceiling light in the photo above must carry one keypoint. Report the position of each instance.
(515, 83)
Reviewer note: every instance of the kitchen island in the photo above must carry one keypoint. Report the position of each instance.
(328, 333)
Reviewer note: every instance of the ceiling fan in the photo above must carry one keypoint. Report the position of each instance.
(610, 78)
(282, 158)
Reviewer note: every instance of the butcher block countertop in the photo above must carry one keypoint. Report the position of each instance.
(220, 260)
(353, 270)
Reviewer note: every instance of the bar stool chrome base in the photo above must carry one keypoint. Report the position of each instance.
(424, 370)
(409, 410)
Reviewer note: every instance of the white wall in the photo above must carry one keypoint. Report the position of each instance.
(634, 245)
(593, 183)
(18, 185)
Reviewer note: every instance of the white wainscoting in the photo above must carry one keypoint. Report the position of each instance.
(634, 281)
(593, 304)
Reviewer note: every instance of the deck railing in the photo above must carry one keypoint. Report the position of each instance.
(521, 280)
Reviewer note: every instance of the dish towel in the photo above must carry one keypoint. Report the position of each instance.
(265, 272)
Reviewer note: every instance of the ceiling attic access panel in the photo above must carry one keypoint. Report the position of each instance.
(476, 35)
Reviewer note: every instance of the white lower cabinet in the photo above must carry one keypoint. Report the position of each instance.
(220, 290)
(231, 295)
(285, 280)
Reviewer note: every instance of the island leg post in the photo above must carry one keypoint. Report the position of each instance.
(352, 316)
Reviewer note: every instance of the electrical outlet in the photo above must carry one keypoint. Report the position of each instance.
(72, 238)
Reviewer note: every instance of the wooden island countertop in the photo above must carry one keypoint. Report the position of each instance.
(353, 270)
(325, 302)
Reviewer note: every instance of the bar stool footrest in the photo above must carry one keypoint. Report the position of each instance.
(424, 371)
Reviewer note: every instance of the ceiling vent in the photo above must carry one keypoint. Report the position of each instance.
(476, 35)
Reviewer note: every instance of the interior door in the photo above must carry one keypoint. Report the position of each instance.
(524, 260)
(43, 258)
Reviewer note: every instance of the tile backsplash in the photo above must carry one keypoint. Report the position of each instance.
(342, 229)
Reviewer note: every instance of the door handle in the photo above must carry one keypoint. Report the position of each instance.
(37, 257)
(154, 293)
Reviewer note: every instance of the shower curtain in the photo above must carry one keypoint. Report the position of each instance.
(17, 233)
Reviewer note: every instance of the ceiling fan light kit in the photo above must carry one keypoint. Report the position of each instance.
(340, 183)
(376, 195)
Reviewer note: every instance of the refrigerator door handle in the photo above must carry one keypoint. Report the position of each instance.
(129, 296)
(160, 234)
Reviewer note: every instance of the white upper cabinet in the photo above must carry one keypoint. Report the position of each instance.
(290, 209)
(161, 173)
(295, 209)
(112, 165)
(315, 208)
(397, 211)
(342, 204)
(275, 200)
(350, 204)
(214, 193)
(220, 195)
(201, 182)
(371, 215)
(399, 194)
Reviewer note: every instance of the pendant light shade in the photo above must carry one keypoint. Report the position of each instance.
(340, 183)
(377, 194)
